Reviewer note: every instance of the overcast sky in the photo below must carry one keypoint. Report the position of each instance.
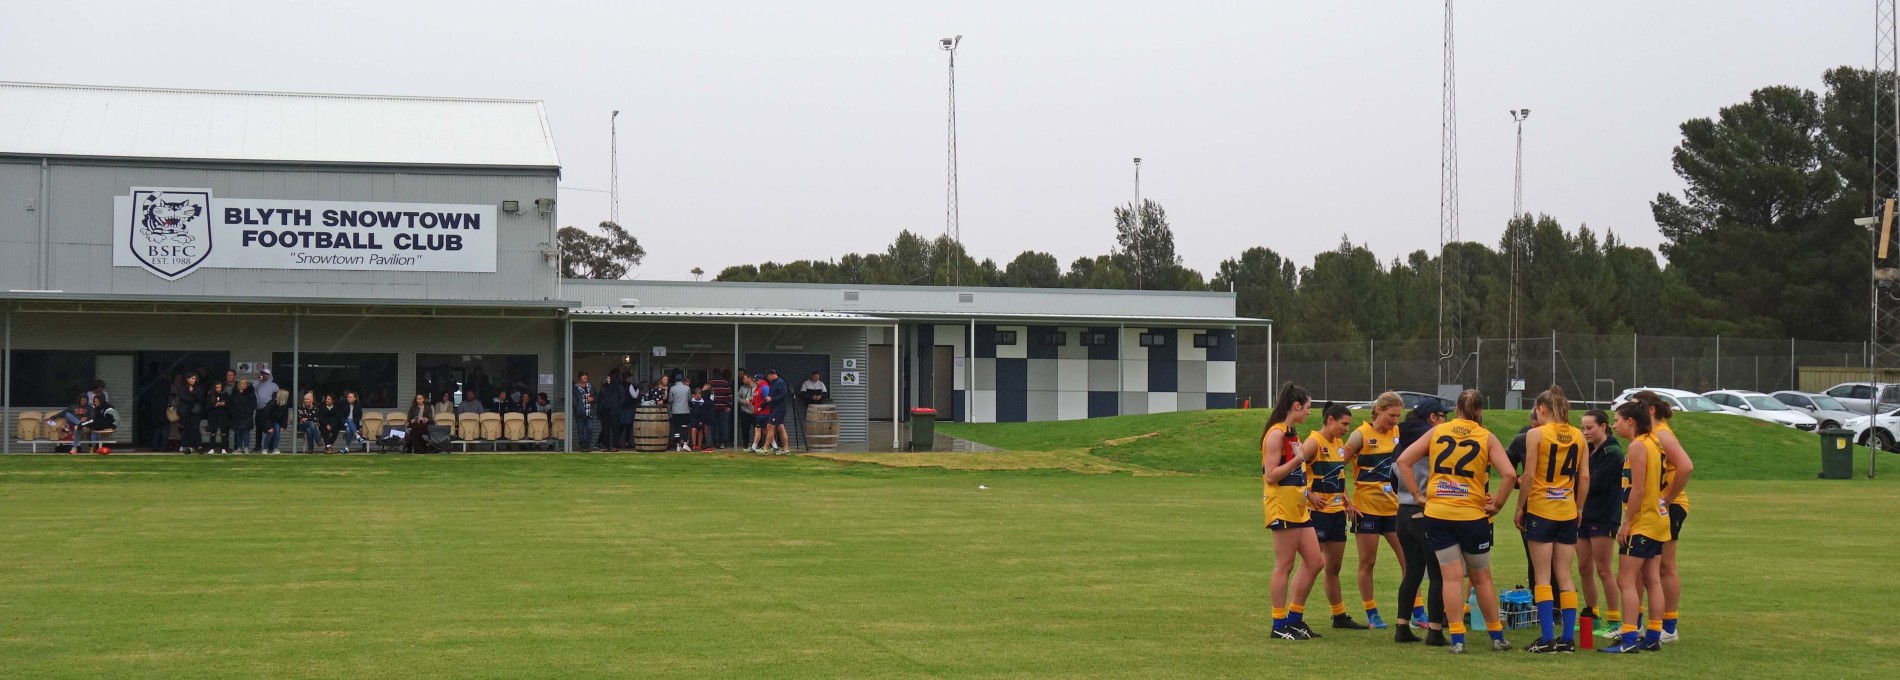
(772, 130)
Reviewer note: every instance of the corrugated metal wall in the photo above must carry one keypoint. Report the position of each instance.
(81, 230)
(872, 299)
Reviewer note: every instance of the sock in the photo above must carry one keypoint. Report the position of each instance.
(1628, 631)
(1654, 632)
(1372, 607)
(1279, 618)
(1295, 613)
(1567, 600)
(1457, 631)
(1546, 619)
(1418, 612)
(1613, 617)
(1339, 609)
(1669, 623)
(1495, 628)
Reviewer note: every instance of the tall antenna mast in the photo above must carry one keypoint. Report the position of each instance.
(1884, 343)
(1448, 291)
(951, 228)
(613, 165)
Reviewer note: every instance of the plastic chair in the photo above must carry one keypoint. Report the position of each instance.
(514, 426)
(372, 426)
(537, 427)
(557, 427)
(490, 426)
(445, 418)
(30, 425)
(470, 426)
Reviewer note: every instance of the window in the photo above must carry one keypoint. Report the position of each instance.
(50, 377)
(1056, 338)
(1795, 400)
(1094, 339)
(1154, 339)
(1205, 340)
(1004, 337)
(487, 374)
(371, 376)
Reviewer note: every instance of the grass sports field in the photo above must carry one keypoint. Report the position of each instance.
(1127, 547)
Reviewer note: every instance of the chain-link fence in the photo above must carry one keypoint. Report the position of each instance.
(1590, 368)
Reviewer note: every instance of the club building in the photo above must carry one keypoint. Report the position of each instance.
(402, 245)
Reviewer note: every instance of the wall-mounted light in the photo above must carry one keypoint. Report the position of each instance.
(545, 206)
(550, 255)
(788, 347)
(511, 207)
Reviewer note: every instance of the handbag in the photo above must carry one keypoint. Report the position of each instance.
(171, 414)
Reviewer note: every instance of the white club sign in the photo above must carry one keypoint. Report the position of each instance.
(172, 232)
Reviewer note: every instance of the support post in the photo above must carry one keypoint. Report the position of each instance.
(897, 402)
(296, 373)
(734, 386)
(1553, 359)
(969, 376)
(6, 442)
(1273, 388)
(1718, 362)
(567, 371)
(1372, 380)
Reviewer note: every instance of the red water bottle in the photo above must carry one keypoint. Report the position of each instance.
(1586, 629)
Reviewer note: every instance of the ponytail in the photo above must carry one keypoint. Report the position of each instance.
(1471, 406)
(1332, 411)
(1554, 400)
(1290, 394)
(1636, 412)
(1654, 402)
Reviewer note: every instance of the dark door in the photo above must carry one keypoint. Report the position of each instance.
(158, 371)
(943, 390)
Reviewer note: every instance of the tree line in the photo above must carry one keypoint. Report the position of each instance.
(1760, 243)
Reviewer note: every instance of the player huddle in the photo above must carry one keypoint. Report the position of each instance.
(1424, 487)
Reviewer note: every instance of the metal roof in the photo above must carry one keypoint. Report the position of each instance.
(1084, 319)
(38, 119)
(717, 315)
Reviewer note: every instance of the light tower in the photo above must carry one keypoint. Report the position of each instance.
(1883, 353)
(1135, 218)
(951, 228)
(613, 166)
(1449, 293)
(1513, 236)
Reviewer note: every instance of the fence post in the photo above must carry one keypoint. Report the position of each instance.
(1325, 379)
(1633, 381)
(1372, 381)
(1794, 380)
(1553, 358)
(1718, 362)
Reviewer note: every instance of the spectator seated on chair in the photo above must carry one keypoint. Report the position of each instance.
(104, 420)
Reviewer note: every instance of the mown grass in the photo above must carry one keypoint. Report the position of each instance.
(685, 565)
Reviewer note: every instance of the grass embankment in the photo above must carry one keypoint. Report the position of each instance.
(1227, 442)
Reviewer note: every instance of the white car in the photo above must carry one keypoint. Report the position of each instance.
(1856, 395)
(1682, 401)
(1885, 437)
(1763, 407)
(1824, 408)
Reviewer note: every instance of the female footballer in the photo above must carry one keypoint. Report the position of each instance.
(1459, 508)
(1326, 497)
(1556, 474)
(1283, 470)
(1676, 469)
(1644, 530)
(1371, 452)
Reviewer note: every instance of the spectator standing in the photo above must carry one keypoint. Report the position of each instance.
(266, 394)
(156, 400)
(190, 404)
(243, 415)
(607, 404)
(351, 418)
(270, 423)
(742, 398)
(583, 406)
(702, 417)
(722, 409)
(98, 390)
(627, 401)
(814, 389)
(761, 415)
(781, 396)
(679, 404)
(307, 421)
(218, 418)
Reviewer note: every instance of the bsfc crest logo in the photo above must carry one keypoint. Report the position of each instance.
(170, 230)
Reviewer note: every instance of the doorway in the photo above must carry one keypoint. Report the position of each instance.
(158, 372)
(943, 385)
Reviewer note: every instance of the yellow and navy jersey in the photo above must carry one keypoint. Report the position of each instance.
(1460, 460)
(1374, 489)
(1652, 515)
(1553, 487)
(1286, 499)
(1669, 471)
(1326, 474)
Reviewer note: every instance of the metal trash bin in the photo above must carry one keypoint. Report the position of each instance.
(923, 429)
(1837, 454)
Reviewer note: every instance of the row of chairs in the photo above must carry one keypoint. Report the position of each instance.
(495, 429)
(34, 432)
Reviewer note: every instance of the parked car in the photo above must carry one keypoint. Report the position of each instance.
(1763, 407)
(1411, 399)
(1856, 395)
(1884, 437)
(1825, 409)
(1680, 400)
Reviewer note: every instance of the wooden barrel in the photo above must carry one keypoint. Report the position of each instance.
(821, 427)
(651, 429)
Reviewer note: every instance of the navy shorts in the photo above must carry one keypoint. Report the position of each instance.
(1597, 528)
(1279, 524)
(1544, 530)
(1641, 546)
(1375, 524)
(1330, 526)
(1677, 514)
(1471, 536)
